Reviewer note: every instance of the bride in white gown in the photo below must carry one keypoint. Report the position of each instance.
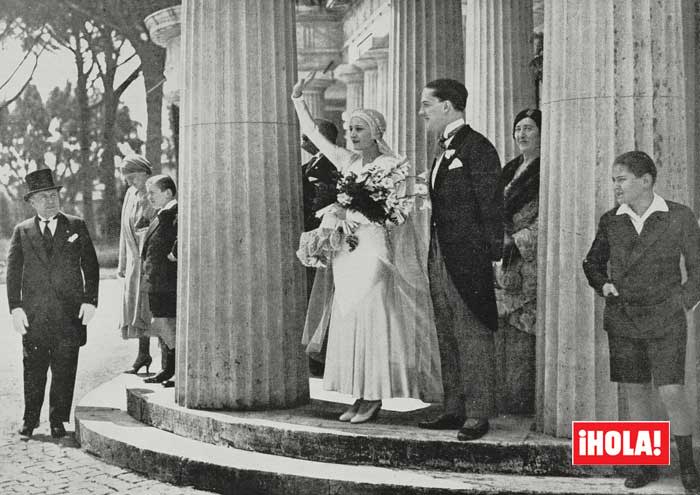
(381, 338)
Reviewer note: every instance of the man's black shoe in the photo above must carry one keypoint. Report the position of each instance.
(443, 422)
(473, 429)
(316, 368)
(642, 476)
(168, 384)
(27, 430)
(57, 430)
(690, 481)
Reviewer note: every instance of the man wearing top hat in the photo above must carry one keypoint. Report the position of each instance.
(52, 285)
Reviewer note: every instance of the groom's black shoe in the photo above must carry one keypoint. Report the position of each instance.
(27, 429)
(473, 429)
(443, 422)
(57, 430)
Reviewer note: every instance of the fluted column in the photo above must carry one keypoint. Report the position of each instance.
(613, 82)
(498, 49)
(369, 81)
(425, 43)
(314, 95)
(354, 80)
(241, 292)
(381, 57)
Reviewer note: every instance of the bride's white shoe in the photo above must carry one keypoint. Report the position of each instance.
(368, 411)
(350, 413)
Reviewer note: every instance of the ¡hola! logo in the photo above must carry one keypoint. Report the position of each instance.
(620, 442)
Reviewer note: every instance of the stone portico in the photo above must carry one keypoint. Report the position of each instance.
(618, 75)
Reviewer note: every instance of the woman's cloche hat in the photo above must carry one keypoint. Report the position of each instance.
(39, 180)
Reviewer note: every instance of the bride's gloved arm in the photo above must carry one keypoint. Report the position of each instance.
(340, 157)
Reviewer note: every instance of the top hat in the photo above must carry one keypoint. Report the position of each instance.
(39, 180)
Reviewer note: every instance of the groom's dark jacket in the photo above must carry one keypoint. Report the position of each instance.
(51, 287)
(467, 219)
(646, 271)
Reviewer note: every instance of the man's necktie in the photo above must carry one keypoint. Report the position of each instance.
(442, 142)
(48, 238)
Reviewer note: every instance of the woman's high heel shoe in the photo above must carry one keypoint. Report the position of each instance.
(350, 413)
(368, 411)
(140, 363)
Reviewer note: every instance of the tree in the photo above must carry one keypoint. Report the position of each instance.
(127, 18)
(99, 52)
(57, 144)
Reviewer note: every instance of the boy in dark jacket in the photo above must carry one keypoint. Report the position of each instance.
(159, 258)
(634, 263)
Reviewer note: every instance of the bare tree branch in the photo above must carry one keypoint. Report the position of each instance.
(122, 87)
(21, 62)
(7, 103)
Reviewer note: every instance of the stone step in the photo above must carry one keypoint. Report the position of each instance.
(312, 432)
(104, 429)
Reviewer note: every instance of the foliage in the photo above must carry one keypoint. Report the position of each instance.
(37, 135)
(103, 36)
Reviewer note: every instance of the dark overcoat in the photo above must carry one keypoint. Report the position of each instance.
(467, 219)
(51, 287)
(316, 173)
(160, 240)
(646, 271)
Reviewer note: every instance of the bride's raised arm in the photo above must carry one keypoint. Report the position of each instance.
(340, 157)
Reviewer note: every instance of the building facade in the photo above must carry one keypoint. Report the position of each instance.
(617, 75)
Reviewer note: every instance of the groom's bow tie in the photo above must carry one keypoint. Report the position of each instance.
(442, 142)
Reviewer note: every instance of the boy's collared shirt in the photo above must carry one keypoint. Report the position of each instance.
(170, 204)
(657, 204)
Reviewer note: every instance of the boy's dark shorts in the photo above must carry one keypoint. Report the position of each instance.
(640, 360)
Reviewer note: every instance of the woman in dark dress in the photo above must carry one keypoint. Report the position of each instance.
(516, 276)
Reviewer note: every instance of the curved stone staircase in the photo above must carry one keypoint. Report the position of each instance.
(307, 451)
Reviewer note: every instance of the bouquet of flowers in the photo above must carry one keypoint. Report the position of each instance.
(383, 195)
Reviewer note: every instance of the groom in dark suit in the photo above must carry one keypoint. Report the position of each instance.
(466, 236)
(52, 286)
(635, 264)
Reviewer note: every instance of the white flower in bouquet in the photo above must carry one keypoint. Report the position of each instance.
(421, 189)
(344, 199)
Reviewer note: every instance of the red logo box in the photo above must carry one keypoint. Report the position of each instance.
(621, 442)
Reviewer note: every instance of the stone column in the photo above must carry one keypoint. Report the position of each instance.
(436, 27)
(613, 82)
(369, 81)
(498, 49)
(354, 79)
(241, 291)
(381, 57)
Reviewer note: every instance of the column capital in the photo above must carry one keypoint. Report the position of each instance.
(164, 25)
(349, 73)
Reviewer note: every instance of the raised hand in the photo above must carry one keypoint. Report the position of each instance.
(298, 88)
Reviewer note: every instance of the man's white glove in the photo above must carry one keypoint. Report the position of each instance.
(87, 311)
(19, 321)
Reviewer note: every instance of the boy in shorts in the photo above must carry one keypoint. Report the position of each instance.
(634, 263)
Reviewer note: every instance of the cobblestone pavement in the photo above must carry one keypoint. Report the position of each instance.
(43, 465)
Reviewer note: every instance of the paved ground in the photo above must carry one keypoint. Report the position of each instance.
(43, 465)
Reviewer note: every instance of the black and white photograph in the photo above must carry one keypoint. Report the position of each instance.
(301, 247)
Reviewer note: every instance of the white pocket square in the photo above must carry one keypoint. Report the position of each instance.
(456, 163)
(73, 238)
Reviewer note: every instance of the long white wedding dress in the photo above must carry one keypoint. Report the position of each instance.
(382, 341)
